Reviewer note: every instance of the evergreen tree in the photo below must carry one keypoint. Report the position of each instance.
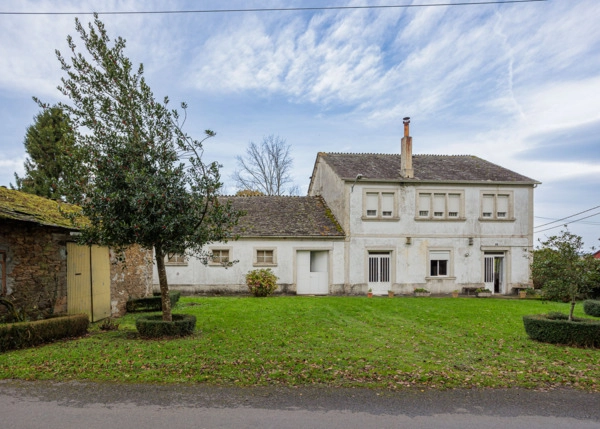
(146, 182)
(47, 142)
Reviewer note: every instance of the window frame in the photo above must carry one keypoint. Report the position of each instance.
(449, 263)
(431, 213)
(176, 263)
(219, 263)
(379, 216)
(255, 259)
(494, 217)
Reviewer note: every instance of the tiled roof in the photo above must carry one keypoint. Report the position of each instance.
(16, 205)
(446, 168)
(274, 216)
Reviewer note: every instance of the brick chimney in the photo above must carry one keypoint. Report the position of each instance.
(406, 168)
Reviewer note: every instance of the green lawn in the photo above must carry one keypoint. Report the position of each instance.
(334, 341)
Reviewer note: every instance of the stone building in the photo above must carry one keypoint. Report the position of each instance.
(37, 273)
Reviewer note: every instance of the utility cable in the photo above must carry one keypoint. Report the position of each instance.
(576, 214)
(279, 9)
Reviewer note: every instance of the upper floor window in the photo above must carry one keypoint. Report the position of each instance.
(440, 205)
(380, 205)
(175, 259)
(496, 206)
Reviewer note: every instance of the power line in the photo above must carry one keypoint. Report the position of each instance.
(279, 9)
(568, 217)
(582, 223)
(567, 223)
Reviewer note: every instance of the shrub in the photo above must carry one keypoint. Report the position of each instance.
(29, 334)
(555, 328)
(151, 303)
(262, 282)
(155, 327)
(591, 308)
(421, 290)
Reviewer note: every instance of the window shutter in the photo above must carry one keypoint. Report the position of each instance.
(439, 205)
(387, 204)
(453, 205)
(487, 205)
(439, 255)
(502, 206)
(424, 204)
(372, 203)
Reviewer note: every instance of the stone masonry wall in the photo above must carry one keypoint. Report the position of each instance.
(36, 265)
(131, 278)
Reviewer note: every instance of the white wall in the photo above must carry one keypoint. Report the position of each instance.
(196, 277)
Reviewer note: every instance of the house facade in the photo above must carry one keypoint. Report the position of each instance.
(296, 237)
(441, 223)
(402, 222)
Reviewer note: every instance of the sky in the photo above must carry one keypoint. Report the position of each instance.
(517, 84)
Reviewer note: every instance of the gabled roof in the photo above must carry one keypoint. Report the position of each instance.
(434, 168)
(16, 205)
(275, 216)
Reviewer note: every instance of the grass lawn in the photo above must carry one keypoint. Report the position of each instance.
(334, 341)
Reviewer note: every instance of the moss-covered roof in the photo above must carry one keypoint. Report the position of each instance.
(16, 205)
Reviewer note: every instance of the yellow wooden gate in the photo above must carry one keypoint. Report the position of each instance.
(88, 281)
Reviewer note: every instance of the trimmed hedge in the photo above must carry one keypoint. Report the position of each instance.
(555, 328)
(591, 308)
(151, 303)
(155, 327)
(28, 334)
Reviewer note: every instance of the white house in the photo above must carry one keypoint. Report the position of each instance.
(297, 237)
(383, 222)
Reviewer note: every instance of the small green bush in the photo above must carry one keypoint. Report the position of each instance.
(151, 303)
(555, 328)
(262, 282)
(29, 334)
(155, 327)
(591, 308)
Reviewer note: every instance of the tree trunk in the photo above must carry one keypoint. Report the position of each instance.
(573, 302)
(164, 286)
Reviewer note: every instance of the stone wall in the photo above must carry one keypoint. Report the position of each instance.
(36, 269)
(131, 277)
(36, 265)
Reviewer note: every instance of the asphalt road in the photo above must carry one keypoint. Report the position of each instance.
(108, 405)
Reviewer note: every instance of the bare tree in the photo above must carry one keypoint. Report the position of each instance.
(266, 168)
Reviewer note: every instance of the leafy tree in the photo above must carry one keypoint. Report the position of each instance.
(47, 142)
(146, 181)
(266, 167)
(561, 269)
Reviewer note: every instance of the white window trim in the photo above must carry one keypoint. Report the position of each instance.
(212, 263)
(379, 217)
(510, 217)
(450, 267)
(430, 216)
(255, 262)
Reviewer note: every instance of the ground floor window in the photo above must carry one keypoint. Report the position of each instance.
(439, 261)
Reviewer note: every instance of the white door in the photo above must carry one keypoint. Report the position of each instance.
(379, 273)
(493, 275)
(312, 276)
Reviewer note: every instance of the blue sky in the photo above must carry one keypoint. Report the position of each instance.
(516, 84)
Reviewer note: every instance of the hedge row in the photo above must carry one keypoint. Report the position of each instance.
(29, 334)
(555, 328)
(591, 308)
(151, 303)
(155, 327)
